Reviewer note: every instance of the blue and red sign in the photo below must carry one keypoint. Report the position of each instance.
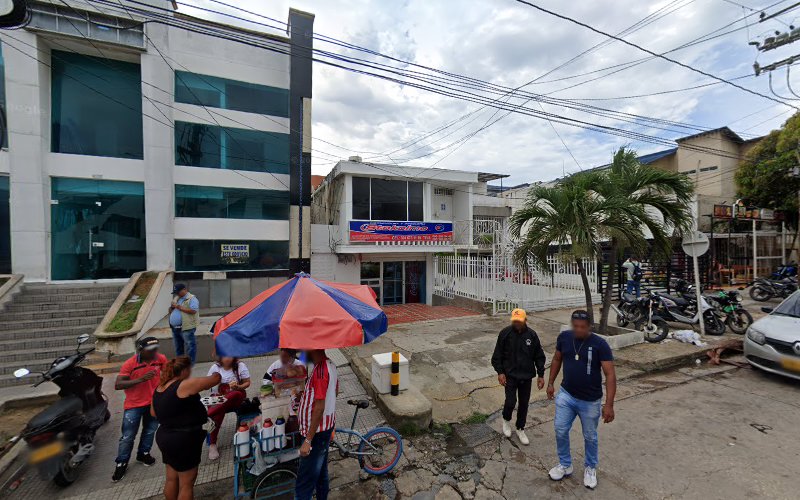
(364, 230)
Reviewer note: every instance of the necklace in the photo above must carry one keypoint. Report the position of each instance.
(577, 350)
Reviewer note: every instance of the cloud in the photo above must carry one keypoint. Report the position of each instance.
(509, 44)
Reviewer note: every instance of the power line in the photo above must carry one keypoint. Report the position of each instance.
(648, 51)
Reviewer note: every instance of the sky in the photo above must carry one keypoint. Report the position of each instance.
(509, 44)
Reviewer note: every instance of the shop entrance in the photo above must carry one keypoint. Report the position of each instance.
(395, 282)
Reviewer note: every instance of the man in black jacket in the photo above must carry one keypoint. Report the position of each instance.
(518, 357)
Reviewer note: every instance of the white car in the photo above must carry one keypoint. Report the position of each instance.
(772, 343)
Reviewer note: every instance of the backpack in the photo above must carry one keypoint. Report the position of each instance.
(637, 273)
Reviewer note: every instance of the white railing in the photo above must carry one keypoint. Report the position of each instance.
(483, 231)
(498, 281)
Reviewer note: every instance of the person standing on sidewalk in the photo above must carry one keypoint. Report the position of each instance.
(138, 377)
(317, 417)
(633, 273)
(518, 357)
(583, 356)
(184, 316)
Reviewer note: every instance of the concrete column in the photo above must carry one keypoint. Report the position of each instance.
(28, 113)
(159, 151)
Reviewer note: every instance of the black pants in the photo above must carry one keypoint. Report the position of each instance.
(517, 388)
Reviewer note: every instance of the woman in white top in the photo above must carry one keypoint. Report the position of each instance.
(235, 379)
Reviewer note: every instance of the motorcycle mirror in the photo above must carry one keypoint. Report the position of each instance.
(767, 310)
(83, 338)
(22, 372)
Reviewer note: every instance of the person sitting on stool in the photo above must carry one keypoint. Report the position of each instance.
(234, 384)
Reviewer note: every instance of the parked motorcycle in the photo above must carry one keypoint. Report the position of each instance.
(640, 313)
(61, 437)
(764, 289)
(629, 311)
(785, 271)
(678, 309)
(729, 305)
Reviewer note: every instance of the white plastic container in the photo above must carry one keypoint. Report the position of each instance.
(382, 372)
(241, 440)
(280, 430)
(267, 431)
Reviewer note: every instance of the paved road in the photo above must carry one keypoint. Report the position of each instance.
(693, 433)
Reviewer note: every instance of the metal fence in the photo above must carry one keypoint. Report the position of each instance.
(497, 280)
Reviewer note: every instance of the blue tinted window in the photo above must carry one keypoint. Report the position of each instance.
(230, 255)
(97, 106)
(191, 88)
(231, 203)
(5, 227)
(98, 229)
(211, 146)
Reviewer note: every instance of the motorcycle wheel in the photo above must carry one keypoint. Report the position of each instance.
(759, 294)
(739, 321)
(713, 325)
(622, 319)
(67, 474)
(655, 332)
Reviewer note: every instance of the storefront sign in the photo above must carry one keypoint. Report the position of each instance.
(361, 230)
(234, 253)
(742, 212)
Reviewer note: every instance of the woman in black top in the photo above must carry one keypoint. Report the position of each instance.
(181, 415)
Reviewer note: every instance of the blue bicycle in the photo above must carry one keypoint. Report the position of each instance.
(378, 451)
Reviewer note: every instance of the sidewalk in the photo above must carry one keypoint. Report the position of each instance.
(449, 362)
(144, 482)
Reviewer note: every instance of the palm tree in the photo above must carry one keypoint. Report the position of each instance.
(657, 199)
(569, 214)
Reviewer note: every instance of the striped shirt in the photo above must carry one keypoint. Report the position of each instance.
(322, 383)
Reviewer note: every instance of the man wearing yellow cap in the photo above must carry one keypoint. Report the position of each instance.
(518, 357)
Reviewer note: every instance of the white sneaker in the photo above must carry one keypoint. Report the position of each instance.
(590, 477)
(506, 428)
(213, 452)
(522, 437)
(559, 472)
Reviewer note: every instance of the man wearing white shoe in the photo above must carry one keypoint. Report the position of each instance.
(584, 356)
(517, 358)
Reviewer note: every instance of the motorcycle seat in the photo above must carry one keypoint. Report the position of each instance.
(678, 300)
(64, 407)
(628, 297)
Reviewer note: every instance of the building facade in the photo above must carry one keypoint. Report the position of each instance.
(134, 146)
(381, 225)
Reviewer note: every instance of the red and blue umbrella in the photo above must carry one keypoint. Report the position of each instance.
(302, 313)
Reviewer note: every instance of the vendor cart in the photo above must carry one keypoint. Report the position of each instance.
(276, 469)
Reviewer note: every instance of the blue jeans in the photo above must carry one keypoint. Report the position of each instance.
(634, 286)
(567, 408)
(312, 473)
(130, 426)
(185, 343)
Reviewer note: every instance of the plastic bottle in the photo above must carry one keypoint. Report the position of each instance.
(267, 431)
(241, 440)
(280, 430)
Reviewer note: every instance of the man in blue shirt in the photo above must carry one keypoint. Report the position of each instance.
(184, 316)
(583, 356)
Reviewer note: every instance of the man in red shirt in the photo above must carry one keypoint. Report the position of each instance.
(138, 377)
(317, 417)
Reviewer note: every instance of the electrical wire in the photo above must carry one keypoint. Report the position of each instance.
(648, 51)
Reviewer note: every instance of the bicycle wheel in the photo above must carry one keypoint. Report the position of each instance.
(277, 483)
(380, 450)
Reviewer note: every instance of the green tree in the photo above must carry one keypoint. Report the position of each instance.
(655, 199)
(765, 179)
(570, 215)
